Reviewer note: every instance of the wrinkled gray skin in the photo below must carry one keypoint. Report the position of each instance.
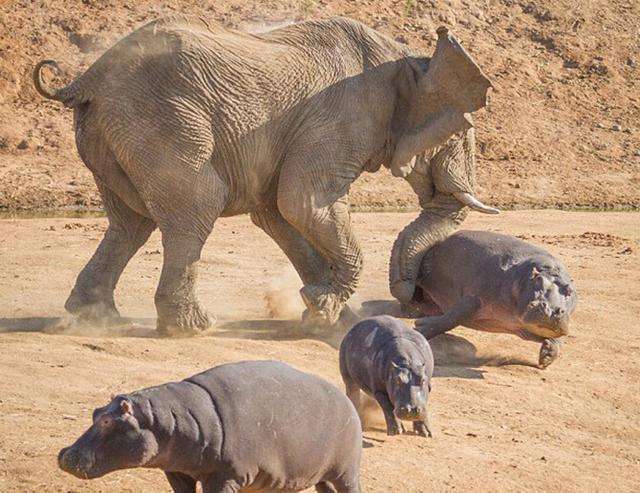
(394, 365)
(496, 283)
(184, 121)
(256, 424)
(441, 179)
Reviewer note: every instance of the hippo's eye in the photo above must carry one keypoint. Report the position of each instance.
(105, 421)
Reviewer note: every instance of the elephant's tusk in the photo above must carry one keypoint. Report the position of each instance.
(470, 201)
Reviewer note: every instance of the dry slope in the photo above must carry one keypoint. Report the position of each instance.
(561, 130)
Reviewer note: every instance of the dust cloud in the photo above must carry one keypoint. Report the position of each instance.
(282, 297)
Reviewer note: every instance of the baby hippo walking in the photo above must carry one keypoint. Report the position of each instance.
(393, 364)
(260, 425)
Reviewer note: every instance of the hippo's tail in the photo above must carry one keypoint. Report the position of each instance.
(70, 95)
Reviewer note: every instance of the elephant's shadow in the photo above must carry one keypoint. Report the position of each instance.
(455, 356)
(68, 325)
(280, 330)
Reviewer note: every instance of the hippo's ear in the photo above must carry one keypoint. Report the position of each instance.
(126, 407)
(394, 364)
(534, 273)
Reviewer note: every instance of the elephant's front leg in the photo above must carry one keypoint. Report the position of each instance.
(309, 264)
(312, 198)
(92, 295)
(328, 229)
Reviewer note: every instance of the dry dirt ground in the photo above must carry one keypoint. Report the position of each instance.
(500, 423)
(561, 129)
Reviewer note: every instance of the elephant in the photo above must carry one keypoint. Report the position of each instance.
(184, 121)
(444, 180)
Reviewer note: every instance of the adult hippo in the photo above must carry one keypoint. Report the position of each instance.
(495, 283)
(184, 121)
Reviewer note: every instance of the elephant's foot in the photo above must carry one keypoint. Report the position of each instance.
(183, 319)
(91, 308)
(549, 352)
(324, 306)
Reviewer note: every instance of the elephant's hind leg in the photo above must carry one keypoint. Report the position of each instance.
(92, 295)
(185, 217)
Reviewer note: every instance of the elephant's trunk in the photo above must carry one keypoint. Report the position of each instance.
(433, 224)
(428, 136)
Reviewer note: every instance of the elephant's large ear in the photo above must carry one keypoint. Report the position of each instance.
(453, 79)
(452, 87)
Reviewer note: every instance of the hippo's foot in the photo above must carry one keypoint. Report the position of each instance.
(549, 352)
(92, 309)
(429, 327)
(395, 427)
(182, 319)
(422, 428)
(324, 306)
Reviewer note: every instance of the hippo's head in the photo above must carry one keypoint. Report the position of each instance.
(546, 298)
(114, 441)
(408, 386)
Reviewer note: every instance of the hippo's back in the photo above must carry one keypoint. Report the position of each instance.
(476, 263)
(484, 245)
(292, 425)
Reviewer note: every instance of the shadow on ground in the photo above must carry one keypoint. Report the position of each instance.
(454, 356)
(124, 327)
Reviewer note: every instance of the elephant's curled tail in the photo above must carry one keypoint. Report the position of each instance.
(70, 95)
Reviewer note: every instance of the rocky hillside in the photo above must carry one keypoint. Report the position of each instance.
(562, 128)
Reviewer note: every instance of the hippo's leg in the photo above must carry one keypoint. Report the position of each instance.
(348, 482)
(394, 426)
(181, 483)
(460, 313)
(325, 487)
(422, 305)
(220, 484)
(549, 352)
(353, 393)
(422, 428)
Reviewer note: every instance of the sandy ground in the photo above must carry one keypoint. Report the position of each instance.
(500, 423)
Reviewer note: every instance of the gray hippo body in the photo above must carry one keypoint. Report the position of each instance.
(393, 364)
(496, 283)
(260, 425)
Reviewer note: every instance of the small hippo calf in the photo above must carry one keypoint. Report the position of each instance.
(259, 425)
(392, 363)
(495, 283)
